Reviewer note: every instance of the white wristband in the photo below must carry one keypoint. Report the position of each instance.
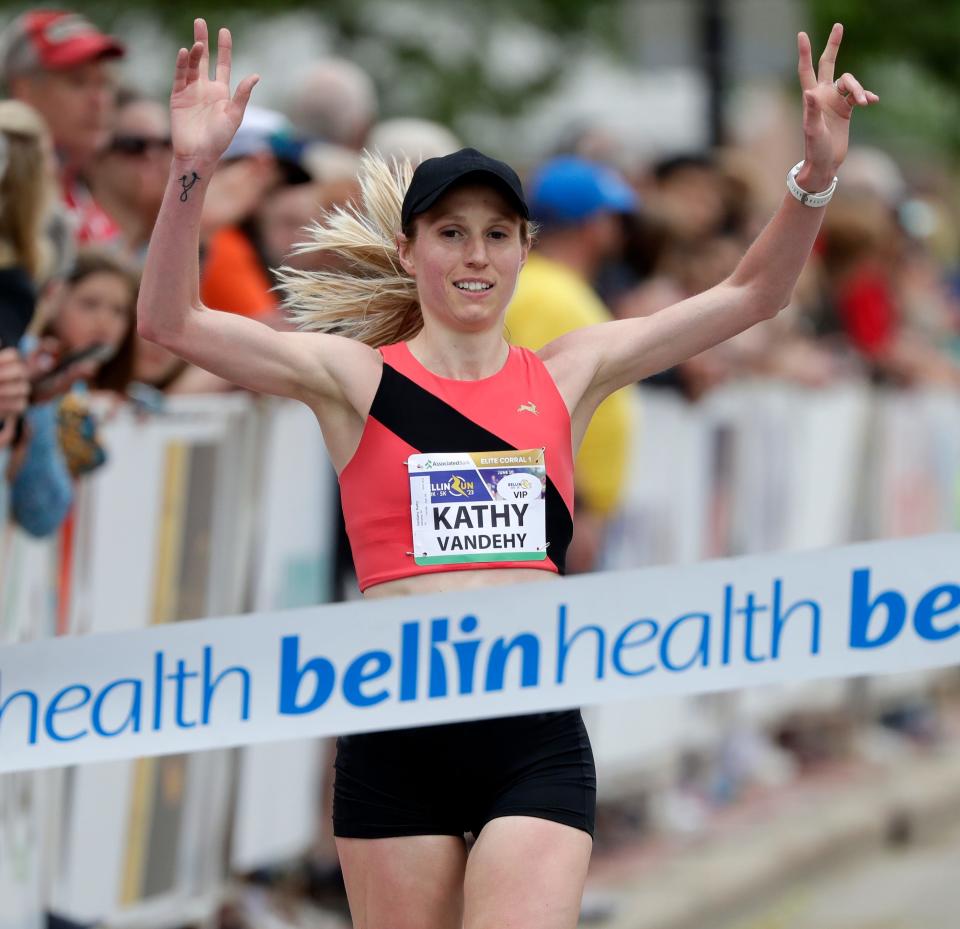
(805, 197)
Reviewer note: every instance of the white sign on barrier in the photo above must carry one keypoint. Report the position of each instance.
(865, 609)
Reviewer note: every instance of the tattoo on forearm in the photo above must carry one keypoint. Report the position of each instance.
(187, 184)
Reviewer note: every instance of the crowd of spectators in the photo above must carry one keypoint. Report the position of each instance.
(84, 162)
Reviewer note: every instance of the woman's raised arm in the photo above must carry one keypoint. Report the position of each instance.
(204, 117)
(612, 355)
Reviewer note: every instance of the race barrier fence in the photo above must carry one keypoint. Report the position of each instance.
(875, 608)
(225, 507)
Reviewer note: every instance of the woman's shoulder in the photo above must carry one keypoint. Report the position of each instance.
(392, 351)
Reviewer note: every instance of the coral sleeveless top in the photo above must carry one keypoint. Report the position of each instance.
(437, 463)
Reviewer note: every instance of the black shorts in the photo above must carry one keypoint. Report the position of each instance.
(454, 778)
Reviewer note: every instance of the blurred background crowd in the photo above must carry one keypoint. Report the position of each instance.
(653, 138)
(626, 227)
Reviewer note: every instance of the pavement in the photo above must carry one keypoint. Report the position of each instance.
(752, 852)
(904, 886)
(844, 812)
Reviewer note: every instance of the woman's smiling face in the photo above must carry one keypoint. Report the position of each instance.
(466, 257)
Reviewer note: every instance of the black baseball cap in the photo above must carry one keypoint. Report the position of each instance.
(435, 176)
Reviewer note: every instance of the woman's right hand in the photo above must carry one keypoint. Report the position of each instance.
(203, 115)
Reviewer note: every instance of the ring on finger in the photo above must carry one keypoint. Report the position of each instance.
(843, 93)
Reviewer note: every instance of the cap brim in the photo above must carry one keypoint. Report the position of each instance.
(489, 177)
(82, 49)
(617, 197)
(245, 146)
(624, 202)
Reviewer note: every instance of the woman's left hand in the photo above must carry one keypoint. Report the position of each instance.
(827, 107)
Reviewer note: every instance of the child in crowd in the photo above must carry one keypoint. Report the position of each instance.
(94, 309)
(96, 305)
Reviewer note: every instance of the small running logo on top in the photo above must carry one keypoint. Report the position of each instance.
(528, 407)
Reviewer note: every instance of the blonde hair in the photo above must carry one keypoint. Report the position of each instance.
(366, 294)
(25, 186)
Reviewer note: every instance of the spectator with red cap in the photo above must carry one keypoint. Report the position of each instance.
(59, 63)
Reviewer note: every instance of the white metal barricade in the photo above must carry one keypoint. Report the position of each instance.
(226, 505)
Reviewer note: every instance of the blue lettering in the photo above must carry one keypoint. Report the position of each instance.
(438, 670)
(928, 608)
(34, 702)
(749, 611)
(356, 676)
(409, 660)
(55, 708)
(292, 675)
(622, 643)
(157, 691)
(701, 652)
(564, 644)
(180, 676)
(529, 646)
(780, 620)
(727, 623)
(861, 610)
(467, 654)
(209, 687)
(133, 715)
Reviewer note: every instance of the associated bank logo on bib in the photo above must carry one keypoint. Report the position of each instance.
(478, 507)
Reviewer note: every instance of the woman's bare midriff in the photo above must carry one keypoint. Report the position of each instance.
(446, 581)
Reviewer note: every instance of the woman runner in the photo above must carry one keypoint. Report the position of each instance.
(407, 361)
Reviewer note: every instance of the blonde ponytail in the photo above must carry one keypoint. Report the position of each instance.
(366, 295)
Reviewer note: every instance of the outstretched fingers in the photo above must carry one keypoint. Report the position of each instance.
(808, 77)
(224, 56)
(829, 57)
(180, 71)
(194, 57)
(242, 95)
(200, 37)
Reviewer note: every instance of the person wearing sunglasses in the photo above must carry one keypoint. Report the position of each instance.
(129, 177)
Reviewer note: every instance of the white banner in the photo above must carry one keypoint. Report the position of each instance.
(865, 609)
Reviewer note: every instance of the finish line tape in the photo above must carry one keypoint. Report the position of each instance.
(876, 608)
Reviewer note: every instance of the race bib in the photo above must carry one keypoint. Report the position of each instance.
(478, 506)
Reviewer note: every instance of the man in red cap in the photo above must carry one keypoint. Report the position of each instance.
(59, 63)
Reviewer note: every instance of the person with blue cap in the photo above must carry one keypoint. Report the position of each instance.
(577, 205)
